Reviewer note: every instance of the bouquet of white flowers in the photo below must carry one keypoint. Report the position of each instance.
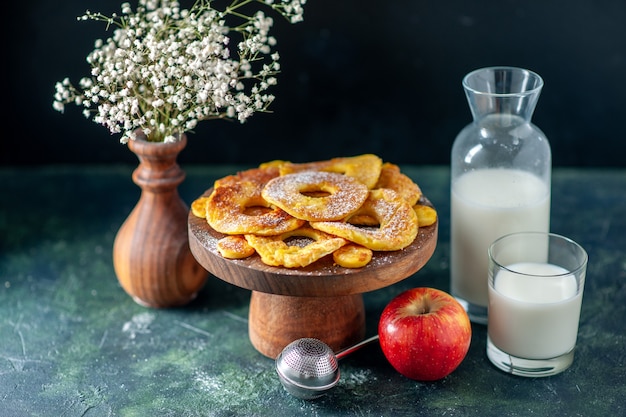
(166, 68)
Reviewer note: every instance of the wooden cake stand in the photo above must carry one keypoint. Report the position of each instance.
(322, 300)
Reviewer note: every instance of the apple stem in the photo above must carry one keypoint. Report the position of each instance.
(418, 308)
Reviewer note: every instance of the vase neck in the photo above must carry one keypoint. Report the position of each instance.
(502, 90)
(158, 170)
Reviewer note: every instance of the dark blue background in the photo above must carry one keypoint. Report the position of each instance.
(357, 76)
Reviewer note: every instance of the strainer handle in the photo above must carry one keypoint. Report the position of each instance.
(358, 346)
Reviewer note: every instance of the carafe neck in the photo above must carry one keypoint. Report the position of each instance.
(503, 91)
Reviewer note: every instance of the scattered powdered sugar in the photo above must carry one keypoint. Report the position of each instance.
(398, 225)
(357, 378)
(233, 387)
(138, 324)
(208, 383)
(238, 208)
(340, 195)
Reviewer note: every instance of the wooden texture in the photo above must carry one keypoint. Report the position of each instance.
(151, 252)
(277, 320)
(322, 300)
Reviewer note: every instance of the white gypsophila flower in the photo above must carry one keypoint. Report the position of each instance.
(164, 69)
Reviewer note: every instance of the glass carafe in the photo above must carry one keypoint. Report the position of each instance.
(500, 177)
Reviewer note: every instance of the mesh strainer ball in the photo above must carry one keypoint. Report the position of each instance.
(307, 368)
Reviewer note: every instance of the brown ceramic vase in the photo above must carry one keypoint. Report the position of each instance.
(151, 254)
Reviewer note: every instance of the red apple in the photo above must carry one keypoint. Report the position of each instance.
(424, 333)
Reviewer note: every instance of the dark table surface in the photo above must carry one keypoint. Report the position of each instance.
(72, 343)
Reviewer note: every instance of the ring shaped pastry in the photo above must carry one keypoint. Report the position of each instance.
(316, 195)
(275, 250)
(237, 207)
(397, 223)
(365, 168)
(198, 207)
(234, 247)
(352, 256)
(391, 177)
(426, 215)
(258, 176)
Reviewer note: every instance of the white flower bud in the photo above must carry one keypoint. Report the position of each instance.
(168, 68)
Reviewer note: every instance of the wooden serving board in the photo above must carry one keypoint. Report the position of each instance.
(320, 279)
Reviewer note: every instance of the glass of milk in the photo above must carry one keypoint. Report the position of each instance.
(500, 176)
(535, 288)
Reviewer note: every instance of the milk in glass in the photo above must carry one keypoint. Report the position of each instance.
(534, 317)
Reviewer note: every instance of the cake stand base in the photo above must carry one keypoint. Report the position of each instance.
(277, 320)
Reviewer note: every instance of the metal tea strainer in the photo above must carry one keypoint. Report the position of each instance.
(308, 367)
